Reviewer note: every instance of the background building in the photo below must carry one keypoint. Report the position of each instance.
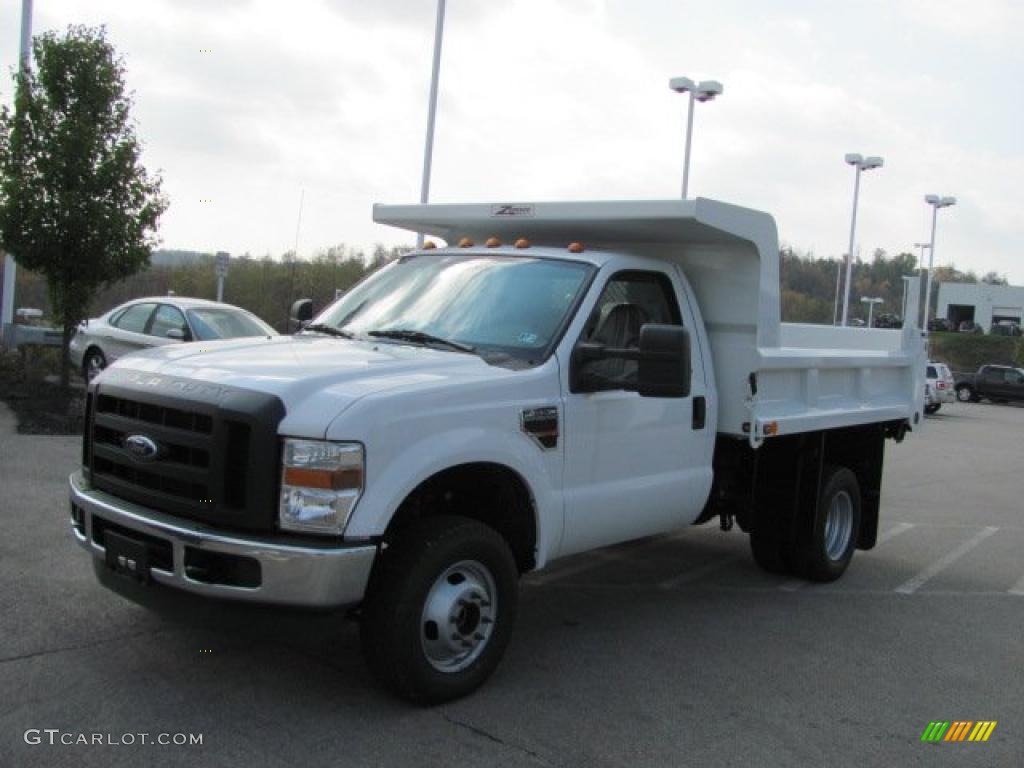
(980, 303)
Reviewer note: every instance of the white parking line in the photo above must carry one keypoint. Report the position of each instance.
(1018, 588)
(598, 557)
(893, 532)
(594, 559)
(896, 530)
(912, 585)
(697, 573)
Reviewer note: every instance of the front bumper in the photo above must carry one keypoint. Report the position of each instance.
(288, 574)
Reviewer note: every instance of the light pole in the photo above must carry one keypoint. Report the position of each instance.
(920, 266)
(871, 301)
(839, 278)
(428, 148)
(10, 267)
(703, 91)
(936, 202)
(861, 164)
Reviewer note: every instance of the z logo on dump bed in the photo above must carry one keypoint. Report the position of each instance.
(508, 209)
(958, 730)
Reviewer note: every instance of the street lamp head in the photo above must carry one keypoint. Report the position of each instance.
(853, 158)
(708, 89)
(681, 84)
(872, 162)
(939, 202)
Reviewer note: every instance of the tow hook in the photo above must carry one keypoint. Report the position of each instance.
(725, 521)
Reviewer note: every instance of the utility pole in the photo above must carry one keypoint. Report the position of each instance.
(428, 148)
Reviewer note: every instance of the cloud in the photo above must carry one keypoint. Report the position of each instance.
(555, 99)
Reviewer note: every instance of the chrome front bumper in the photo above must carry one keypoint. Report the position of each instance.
(288, 574)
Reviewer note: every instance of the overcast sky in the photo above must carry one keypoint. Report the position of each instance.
(568, 99)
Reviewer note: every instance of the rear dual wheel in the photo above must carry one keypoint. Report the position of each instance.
(820, 545)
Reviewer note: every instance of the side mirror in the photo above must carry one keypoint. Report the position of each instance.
(664, 366)
(302, 311)
(175, 333)
(663, 361)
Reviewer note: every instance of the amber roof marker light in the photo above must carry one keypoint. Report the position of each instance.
(429, 245)
(575, 247)
(465, 243)
(492, 242)
(522, 242)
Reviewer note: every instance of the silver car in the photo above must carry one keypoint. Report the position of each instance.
(153, 322)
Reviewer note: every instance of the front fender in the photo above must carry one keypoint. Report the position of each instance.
(391, 479)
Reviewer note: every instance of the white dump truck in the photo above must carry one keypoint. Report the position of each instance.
(559, 377)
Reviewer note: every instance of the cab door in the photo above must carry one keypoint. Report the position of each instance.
(634, 466)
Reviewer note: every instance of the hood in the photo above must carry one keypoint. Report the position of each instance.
(316, 377)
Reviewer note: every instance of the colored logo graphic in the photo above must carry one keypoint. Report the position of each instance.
(958, 730)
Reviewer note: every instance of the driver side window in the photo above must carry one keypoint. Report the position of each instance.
(629, 301)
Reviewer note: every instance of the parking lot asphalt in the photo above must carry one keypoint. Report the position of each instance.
(671, 651)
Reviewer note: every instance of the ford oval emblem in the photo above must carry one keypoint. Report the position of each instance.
(141, 447)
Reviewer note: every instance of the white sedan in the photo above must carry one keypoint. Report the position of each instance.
(154, 322)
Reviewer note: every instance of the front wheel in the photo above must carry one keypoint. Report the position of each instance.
(93, 365)
(965, 394)
(440, 609)
(933, 408)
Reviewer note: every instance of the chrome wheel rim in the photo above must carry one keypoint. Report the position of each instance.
(963, 394)
(838, 525)
(458, 616)
(93, 367)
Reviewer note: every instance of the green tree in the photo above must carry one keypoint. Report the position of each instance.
(75, 202)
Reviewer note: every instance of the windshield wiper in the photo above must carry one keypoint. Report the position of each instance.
(330, 330)
(407, 334)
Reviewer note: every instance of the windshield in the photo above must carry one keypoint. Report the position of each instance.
(210, 323)
(502, 304)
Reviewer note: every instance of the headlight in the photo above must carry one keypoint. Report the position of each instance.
(320, 485)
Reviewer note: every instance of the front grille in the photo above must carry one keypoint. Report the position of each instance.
(216, 457)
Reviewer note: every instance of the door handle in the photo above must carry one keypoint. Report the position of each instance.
(700, 412)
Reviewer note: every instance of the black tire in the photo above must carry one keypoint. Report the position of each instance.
(965, 394)
(93, 364)
(824, 551)
(394, 631)
(933, 408)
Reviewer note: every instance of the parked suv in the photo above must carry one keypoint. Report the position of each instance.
(939, 387)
